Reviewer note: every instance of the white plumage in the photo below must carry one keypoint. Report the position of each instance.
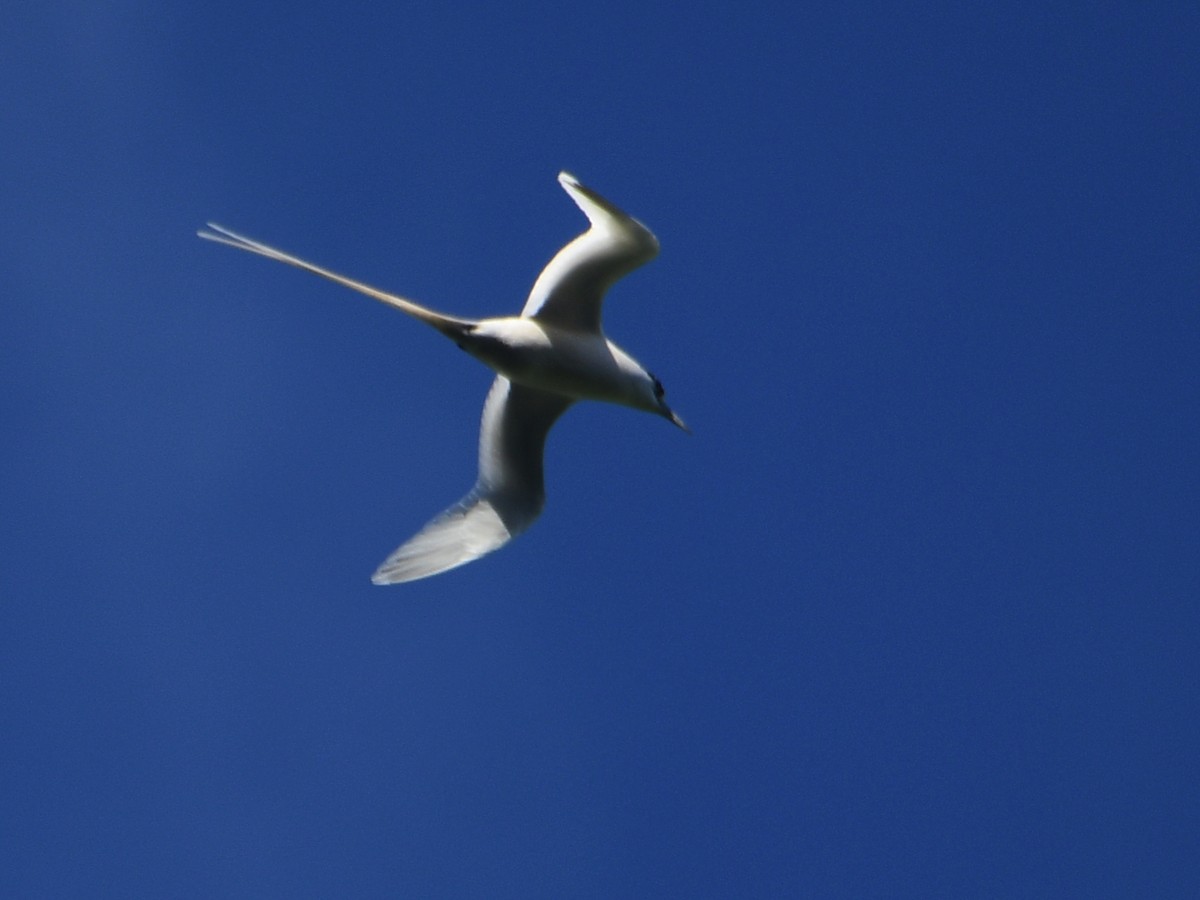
(551, 355)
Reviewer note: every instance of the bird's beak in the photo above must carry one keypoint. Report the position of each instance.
(668, 414)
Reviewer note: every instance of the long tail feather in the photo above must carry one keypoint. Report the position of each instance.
(450, 326)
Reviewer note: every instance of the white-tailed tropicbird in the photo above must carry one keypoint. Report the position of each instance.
(551, 355)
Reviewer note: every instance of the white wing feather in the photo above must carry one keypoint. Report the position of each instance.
(507, 498)
(570, 291)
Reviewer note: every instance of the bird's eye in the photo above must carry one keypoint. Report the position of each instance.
(658, 389)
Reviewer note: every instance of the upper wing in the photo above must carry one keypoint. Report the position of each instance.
(506, 499)
(570, 290)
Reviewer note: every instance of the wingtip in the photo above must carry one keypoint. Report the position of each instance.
(390, 573)
(385, 578)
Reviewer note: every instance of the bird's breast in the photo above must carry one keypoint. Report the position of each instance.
(582, 366)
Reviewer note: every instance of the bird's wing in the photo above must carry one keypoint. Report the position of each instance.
(570, 290)
(506, 499)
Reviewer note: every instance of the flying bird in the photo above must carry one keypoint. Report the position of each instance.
(552, 354)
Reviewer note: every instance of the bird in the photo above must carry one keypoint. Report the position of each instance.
(552, 354)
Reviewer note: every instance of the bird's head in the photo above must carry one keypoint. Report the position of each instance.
(660, 404)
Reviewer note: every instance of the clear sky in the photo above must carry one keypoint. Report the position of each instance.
(913, 612)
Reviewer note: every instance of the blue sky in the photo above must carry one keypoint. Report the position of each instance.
(913, 612)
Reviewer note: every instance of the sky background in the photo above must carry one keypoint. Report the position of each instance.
(913, 612)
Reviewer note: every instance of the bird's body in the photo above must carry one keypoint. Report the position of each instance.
(560, 360)
(551, 355)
